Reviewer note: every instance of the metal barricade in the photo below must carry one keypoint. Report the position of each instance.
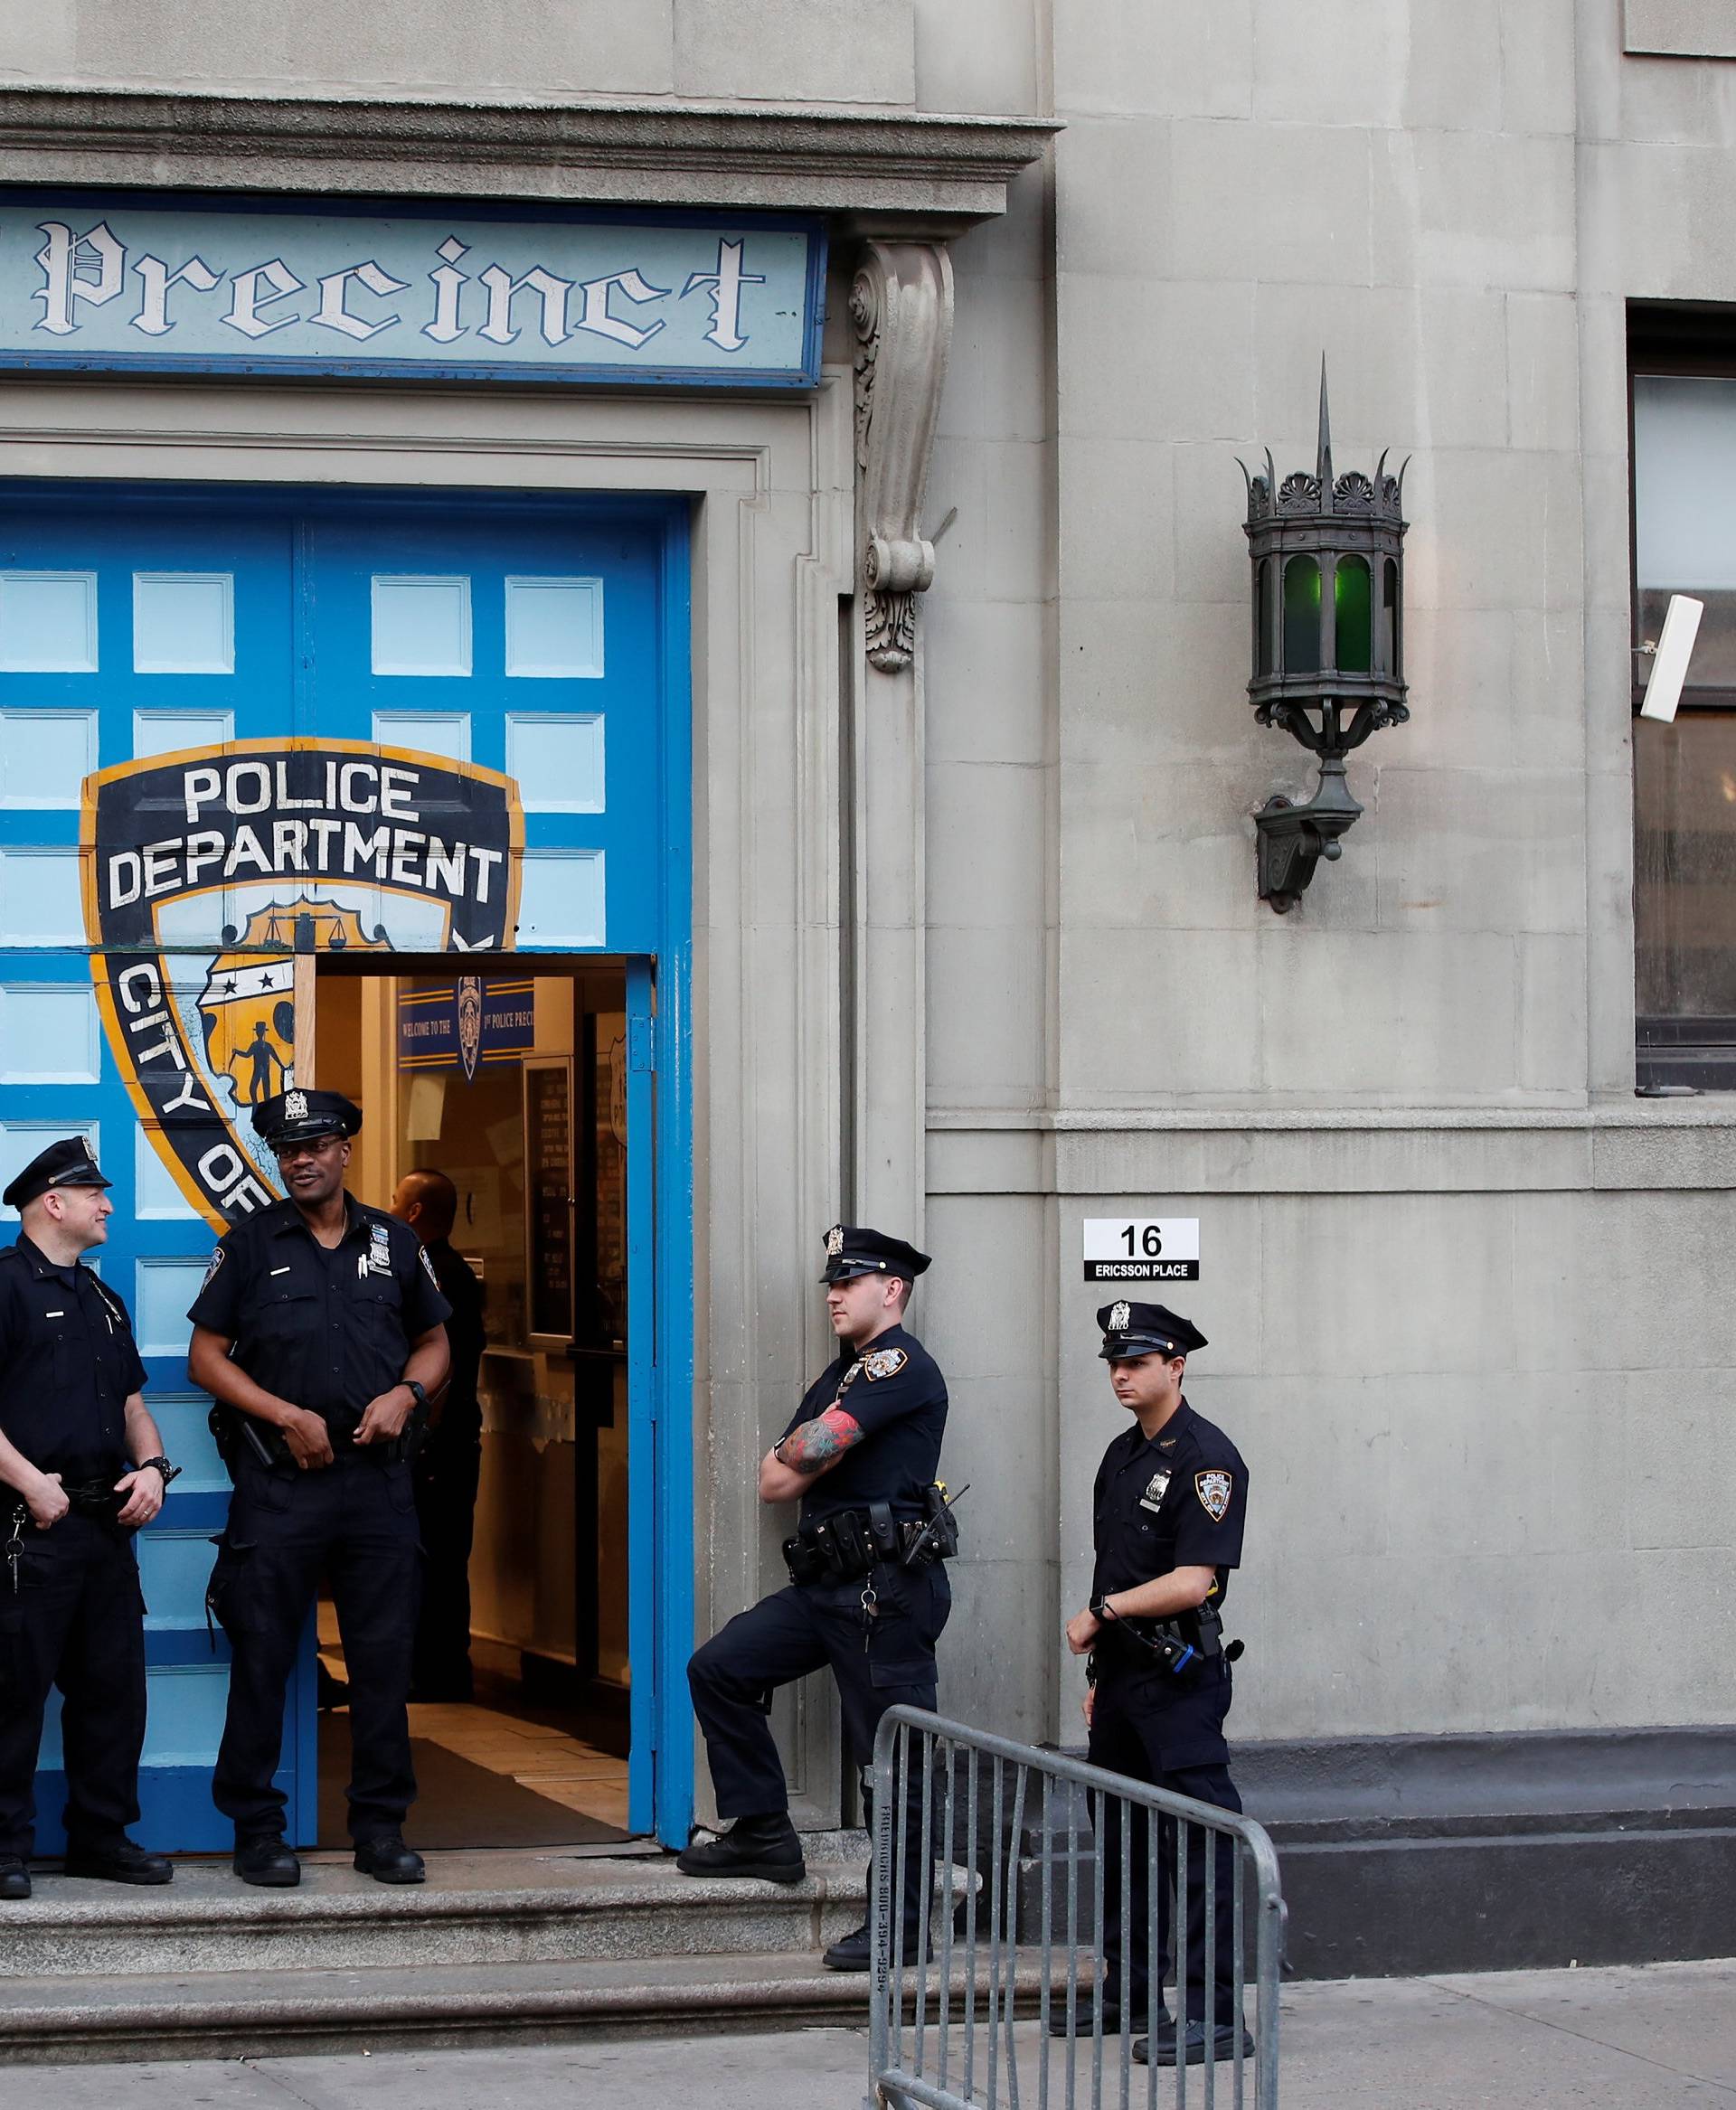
(1010, 1849)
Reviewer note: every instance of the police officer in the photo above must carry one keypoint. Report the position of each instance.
(448, 1466)
(72, 1422)
(321, 1328)
(868, 1594)
(1167, 1507)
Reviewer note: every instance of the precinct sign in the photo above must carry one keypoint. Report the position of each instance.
(547, 294)
(205, 873)
(1142, 1249)
(462, 1024)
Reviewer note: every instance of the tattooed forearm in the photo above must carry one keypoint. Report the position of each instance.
(817, 1443)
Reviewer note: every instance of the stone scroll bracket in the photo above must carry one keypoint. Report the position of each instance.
(901, 304)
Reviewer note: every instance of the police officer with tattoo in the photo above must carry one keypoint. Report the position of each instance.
(319, 1330)
(81, 1469)
(868, 1592)
(1168, 1506)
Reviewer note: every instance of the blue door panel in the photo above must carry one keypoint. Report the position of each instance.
(186, 618)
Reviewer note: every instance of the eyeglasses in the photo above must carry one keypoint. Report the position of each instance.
(288, 1151)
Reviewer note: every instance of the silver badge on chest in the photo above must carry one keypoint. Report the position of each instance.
(1156, 1487)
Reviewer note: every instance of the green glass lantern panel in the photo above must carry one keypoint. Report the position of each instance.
(1263, 617)
(1390, 621)
(1353, 615)
(1302, 616)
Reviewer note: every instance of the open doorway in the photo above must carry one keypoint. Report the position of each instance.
(497, 1098)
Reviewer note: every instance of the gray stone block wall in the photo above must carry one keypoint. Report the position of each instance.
(1467, 1301)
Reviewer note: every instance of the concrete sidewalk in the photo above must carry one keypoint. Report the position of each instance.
(1659, 2038)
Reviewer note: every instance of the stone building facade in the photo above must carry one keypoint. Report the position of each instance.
(977, 952)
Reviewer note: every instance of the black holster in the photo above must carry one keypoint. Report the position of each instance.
(232, 1430)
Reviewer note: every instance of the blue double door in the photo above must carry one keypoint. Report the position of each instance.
(231, 724)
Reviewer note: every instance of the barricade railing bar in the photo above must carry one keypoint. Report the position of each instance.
(1017, 1886)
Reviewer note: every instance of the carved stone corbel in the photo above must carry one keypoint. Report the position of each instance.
(901, 305)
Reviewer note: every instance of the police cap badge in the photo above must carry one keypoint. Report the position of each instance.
(854, 1250)
(70, 1163)
(304, 1116)
(1131, 1330)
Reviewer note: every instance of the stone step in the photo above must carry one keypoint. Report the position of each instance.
(95, 2020)
(475, 1909)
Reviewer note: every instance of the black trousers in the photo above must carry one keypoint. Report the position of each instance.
(448, 1473)
(354, 1521)
(1147, 1740)
(76, 1621)
(885, 1662)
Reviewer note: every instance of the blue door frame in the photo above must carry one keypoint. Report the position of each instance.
(646, 836)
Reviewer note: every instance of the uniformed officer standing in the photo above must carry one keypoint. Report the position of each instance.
(321, 1325)
(1167, 1507)
(448, 1466)
(868, 1593)
(71, 1420)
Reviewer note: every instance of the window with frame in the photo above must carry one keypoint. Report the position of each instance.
(1681, 367)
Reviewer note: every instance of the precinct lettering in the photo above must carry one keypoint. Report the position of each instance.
(85, 268)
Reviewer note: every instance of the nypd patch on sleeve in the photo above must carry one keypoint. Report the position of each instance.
(1214, 1491)
(212, 1265)
(427, 1265)
(884, 1362)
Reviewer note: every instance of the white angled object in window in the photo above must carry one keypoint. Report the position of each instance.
(1670, 660)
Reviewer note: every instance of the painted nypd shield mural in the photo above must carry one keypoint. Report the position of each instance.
(205, 873)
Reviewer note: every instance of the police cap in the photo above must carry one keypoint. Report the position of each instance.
(70, 1163)
(853, 1249)
(304, 1116)
(1130, 1330)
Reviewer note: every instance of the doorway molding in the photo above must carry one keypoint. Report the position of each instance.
(770, 487)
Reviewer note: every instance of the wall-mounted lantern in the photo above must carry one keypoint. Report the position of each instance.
(1328, 644)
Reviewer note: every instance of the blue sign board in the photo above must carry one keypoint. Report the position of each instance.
(464, 1024)
(217, 285)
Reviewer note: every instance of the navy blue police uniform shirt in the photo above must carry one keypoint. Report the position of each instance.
(328, 1331)
(68, 1366)
(465, 1339)
(894, 1393)
(1174, 1499)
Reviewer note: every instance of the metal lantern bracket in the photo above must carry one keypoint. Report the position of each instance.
(1328, 592)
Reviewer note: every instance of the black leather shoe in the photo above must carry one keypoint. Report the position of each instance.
(766, 1847)
(15, 1877)
(855, 1952)
(118, 1860)
(389, 1861)
(267, 1862)
(1162, 2051)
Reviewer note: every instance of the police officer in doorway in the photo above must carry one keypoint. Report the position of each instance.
(1169, 1507)
(320, 1331)
(448, 1465)
(868, 1592)
(81, 1469)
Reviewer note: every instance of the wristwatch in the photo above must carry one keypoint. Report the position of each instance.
(416, 1393)
(1099, 1610)
(163, 1466)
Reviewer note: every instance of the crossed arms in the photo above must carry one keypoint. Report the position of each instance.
(811, 1448)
